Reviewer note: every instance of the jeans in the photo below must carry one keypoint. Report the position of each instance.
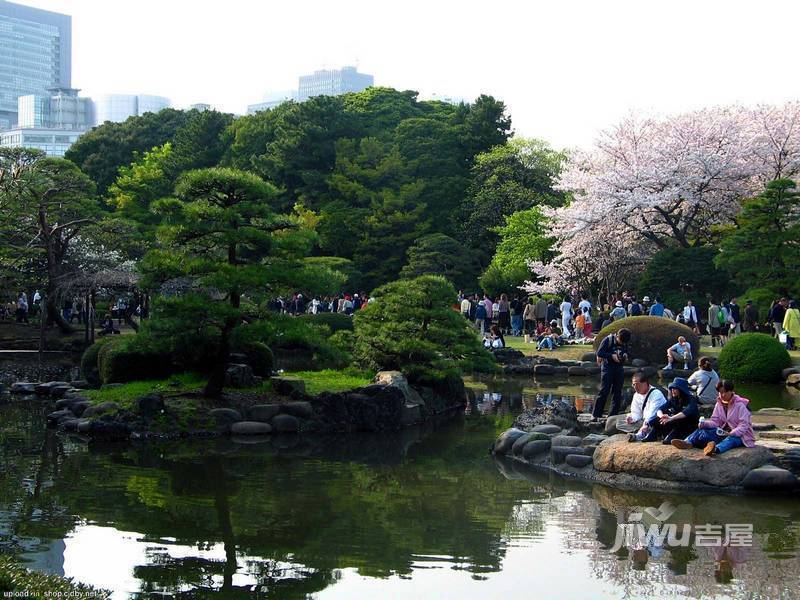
(516, 324)
(611, 380)
(701, 437)
(546, 343)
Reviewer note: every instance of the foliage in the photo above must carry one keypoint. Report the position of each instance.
(438, 254)
(753, 357)
(678, 274)
(344, 266)
(762, 299)
(127, 393)
(333, 321)
(89, 365)
(411, 327)
(330, 380)
(133, 358)
(16, 580)
(650, 337)
(763, 250)
(259, 357)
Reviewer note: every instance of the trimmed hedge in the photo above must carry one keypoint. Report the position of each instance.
(260, 358)
(335, 321)
(132, 359)
(651, 336)
(753, 357)
(89, 360)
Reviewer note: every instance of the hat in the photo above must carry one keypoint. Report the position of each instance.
(646, 299)
(554, 321)
(619, 303)
(681, 384)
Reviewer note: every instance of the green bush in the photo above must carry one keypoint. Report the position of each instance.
(14, 578)
(753, 357)
(651, 336)
(131, 359)
(260, 357)
(334, 321)
(89, 365)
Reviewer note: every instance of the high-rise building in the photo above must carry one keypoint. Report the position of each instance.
(333, 83)
(51, 141)
(271, 100)
(118, 107)
(64, 109)
(35, 55)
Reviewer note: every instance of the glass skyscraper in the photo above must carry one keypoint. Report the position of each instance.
(118, 107)
(333, 83)
(35, 55)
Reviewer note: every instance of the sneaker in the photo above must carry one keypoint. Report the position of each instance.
(681, 444)
(667, 368)
(685, 366)
(632, 437)
(709, 449)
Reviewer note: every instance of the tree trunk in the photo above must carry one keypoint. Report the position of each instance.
(54, 315)
(216, 381)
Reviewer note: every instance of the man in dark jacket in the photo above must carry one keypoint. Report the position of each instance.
(750, 320)
(612, 354)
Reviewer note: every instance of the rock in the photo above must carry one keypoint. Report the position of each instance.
(286, 385)
(58, 391)
(763, 426)
(23, 387)
(238, 358)
(108, 430)
(225, 415)
(611, 424)
(566, 440)
(790, 460)
(398, 380)
(547, 360)
(239, 376)
(589, 450)
(150, 405)
(788, 372)
(505, 442)
(577, 371)
(84, 425)
(250, 428)
(506, 356)
(616, 455)
(285, 424)
(519, 444)
(544, 370)
(589, 357)
(56, 416)
(65, 403)
(558, 454)
(793, 380)
(43, 389)
(535, 447)
(547, 428)
(301, 410)
(578, 460)
(78, 408)
(649, 371)
(639, 362)
(594, 439)
(770, 478)
(69, 424)
(263, 412)
(81, 384)
(372, 390)
(99, 409)
(560, 370)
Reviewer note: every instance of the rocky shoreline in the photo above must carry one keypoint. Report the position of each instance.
(550, 437)
(390, 403)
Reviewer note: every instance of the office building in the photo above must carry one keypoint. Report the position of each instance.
(52, 141)
(271, 100)
(35, 55)
(333, 83)
(119, 107)
(64, 109)
(200, 107)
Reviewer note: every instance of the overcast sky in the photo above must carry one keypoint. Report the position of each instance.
(564, 68)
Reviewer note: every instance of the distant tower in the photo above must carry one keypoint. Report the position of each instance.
(333, 83)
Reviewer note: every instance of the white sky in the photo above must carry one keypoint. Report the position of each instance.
(564, 68)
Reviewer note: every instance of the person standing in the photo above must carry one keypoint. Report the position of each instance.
(529, 319)
(566, 317)
(791, 325)
(22, 308)
(750, 320)
(657, 309)
(612, 354)
(517, 306)
(465, 307)
(716, 321)
(489, 306)
(480, 318)
(551, 313)
(735, 315)
(504, 314)
(690, 317)
(541, 311)
(776, 315)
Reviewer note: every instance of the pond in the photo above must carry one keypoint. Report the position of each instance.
(422, 513)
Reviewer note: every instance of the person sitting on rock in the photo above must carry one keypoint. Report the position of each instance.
(704, 382)
(682, 352)
(728, 427)
(679, 416)
(646, 402)
(107, 326)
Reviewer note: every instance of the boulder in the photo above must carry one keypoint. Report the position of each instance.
(567, 440)
(225, 415)
(285, 424)
(55, 417)
(519, 444)
(69, 424)
(770, 478)
(593, 439)
(99, 409)
(589, 357)
(616, 455)
(59, 391)
(793, 380)
(547, 428)
(263, 412)
(398, 380)
(81, 384)
(577, 371)
(611, 424)
(578, 460)
(790, 460)
(786, 373)
(43, 389)
(756, 426)
(560, 370)
(23, 387)
(250, 428)
(535, 448)
(639, 362)
(78, 408)
(286, 385)
(301, 410)
(506, 356)
(239, 376)
(150, 405)
(505, 442)
(558, 454)
(544, 370)
(65, 403)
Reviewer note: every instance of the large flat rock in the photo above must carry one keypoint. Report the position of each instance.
(655, 460)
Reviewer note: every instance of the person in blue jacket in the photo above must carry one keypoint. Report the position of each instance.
(679, 416)
(612, 356)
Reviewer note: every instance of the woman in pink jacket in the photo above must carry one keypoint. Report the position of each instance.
(729, 425)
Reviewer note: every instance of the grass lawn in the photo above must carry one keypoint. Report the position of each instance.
(569, 352)
(331, 380)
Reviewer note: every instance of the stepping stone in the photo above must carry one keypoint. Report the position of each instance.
(763, 426)
(503, 444)
(519, 444)
(285, 424)
(593, 439)
(559, 453)
(769, 478)
(547, 428)
(535, 448)
(777, 446)
(567, 440)
(263, 412)
(778, 434)
(578, 460)
(250, 428)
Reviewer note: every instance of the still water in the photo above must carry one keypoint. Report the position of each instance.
(426, 513)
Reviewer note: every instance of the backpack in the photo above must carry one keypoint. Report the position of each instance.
(720, 317)
(636, 309)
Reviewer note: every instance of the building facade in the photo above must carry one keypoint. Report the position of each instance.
(35, 55)
(119, 107)
(62, 110)
(333, 83)
(53, 142)
(271, 100)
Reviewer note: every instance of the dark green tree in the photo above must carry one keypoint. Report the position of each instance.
(438, 254)
(411, 326)
(763, 249)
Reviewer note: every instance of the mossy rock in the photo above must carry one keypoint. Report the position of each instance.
(753, 357)
(650, 337)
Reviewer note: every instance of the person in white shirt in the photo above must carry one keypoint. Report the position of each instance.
(566, 317)
(704, 382)
(465, 307)
(584, 303)
(690, 316)
(682, 352)
(645, 405)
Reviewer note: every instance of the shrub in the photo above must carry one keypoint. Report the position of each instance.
(131, 359)
(651, 336)
(260, 357)
(334, 321)
(89, 365)
(753, 357)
